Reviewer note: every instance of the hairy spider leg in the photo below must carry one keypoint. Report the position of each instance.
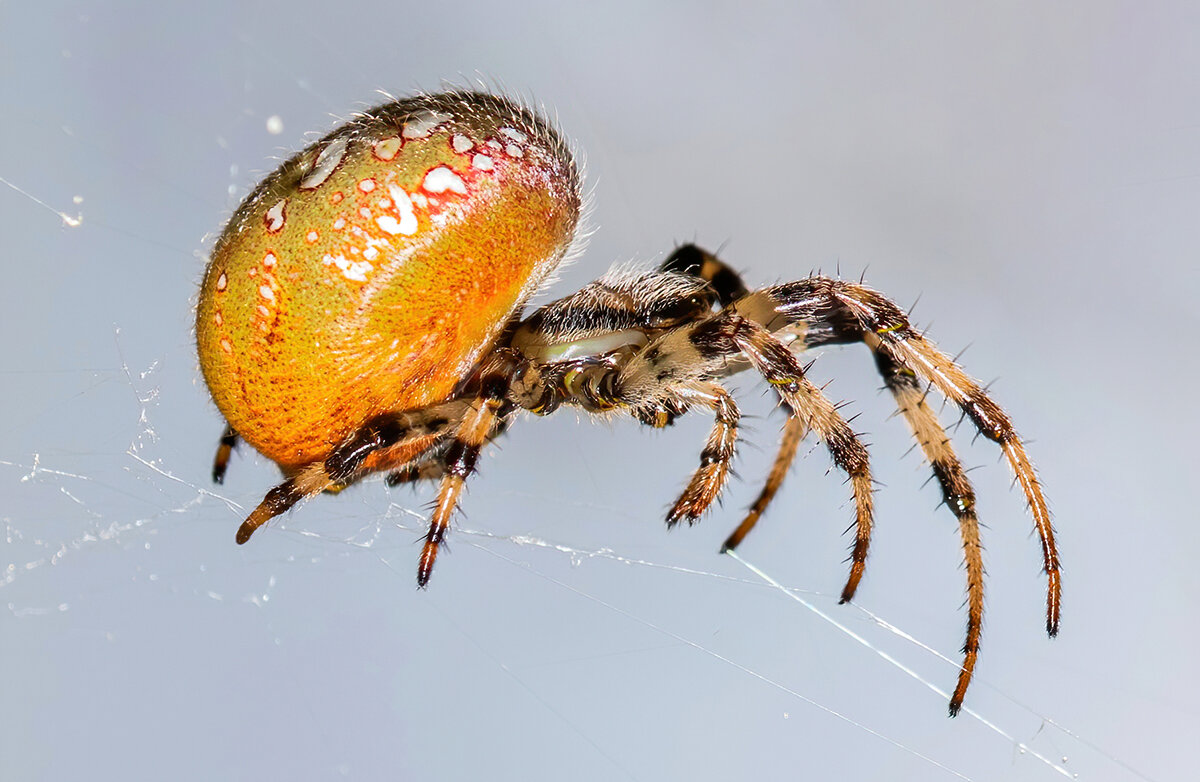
(431, 465)
(729, 287)
(387, 442)
(228, 442)
(709, 479)
(474, 430)
(838, 311)
(879, 315)
(957, 493)
(775, 362)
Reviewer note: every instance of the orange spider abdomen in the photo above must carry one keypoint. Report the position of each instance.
(371, 271)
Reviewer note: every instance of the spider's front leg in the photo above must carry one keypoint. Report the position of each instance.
(709, 479)
(728, 286)
(835, 311)
(702, 350)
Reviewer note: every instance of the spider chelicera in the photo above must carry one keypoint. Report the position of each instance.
(362, 313)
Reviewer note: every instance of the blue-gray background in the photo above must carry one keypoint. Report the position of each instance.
(1031, 171)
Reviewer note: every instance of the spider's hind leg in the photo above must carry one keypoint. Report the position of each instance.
(387, 441)
(229, 441)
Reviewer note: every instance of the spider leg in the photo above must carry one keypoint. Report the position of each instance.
(387, 441)
(422, 470)
(229, 441)
(431, 465)
(472, 433)
(837, 311)
(772, 359)
(708, 480)
(880, 319)
(793, 433)
(910, 395)
(690, 259)
(729, 287)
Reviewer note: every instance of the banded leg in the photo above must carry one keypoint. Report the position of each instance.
(935, 367)
(836, 311)
(729, 287)
(780, 367)
(229, 441)
(690, 259)
(472, 434)
(957, 493)
(888, 323)
(432, 464)
(793, 433)
(385, 442)
(709, 479)
(772, 359)
(335, 473)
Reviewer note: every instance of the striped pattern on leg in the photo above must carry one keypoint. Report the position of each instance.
(709, 479)
(957, 492)
(782, 370)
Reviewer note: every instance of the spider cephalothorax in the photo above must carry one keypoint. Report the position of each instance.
(362, 314)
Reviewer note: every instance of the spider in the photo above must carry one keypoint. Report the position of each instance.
(362, 312)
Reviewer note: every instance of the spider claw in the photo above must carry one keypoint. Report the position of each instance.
(425, 565)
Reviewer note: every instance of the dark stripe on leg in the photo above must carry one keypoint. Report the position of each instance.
(957, 493)
(690, 259)
(709, 479)
(777, 364)
(475, 430)
(229, 441)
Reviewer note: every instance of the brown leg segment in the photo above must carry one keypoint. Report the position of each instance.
(793, 433)
(343, 467)
(707, 482)
(459, 463)
(957, 493)
(484, 419)
(229, 441)
(779, 366)
(882, 318)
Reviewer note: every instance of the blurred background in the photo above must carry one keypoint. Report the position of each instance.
(1029, 172)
